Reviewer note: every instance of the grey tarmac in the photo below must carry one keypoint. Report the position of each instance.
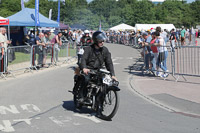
(41, 103)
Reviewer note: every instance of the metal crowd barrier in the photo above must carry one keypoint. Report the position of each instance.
(63, 51)
(32, 57)
(187, 61)
(18, 58)
(42, 56)
(181, 61)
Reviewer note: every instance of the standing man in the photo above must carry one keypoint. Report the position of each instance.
(3, 52)
(40, 45)
(57, 42)
(172, 39)
(46, 41)
(147, 50)
(183, 31)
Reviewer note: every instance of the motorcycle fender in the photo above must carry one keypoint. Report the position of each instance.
(114, 88)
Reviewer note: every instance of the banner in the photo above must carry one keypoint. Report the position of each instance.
(4, 21)
(50, 13)
(58, 19)
(22, 4)
(37, 21)
(100, 25)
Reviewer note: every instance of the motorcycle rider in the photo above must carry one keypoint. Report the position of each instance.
(94, 57)
(85, 40)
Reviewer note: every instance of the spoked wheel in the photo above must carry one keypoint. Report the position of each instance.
(109, 106)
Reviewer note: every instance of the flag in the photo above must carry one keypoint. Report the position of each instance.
(22, 4)
(50, 13)
(58, 19)
(37, 21)
(100, 25)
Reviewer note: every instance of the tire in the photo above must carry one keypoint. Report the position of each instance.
(76, 96)
(105, 103)
(76, 103)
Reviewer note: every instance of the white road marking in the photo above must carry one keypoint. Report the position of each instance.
(27, 121)
(76, 124)
(7, 126)
(31, 108)
(118, 57)
(115, 63)
(58, 122)
(143, 79)
(12, 109)
(129, 58)
(92, 118)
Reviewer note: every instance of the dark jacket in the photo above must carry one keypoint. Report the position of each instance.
(96, 59)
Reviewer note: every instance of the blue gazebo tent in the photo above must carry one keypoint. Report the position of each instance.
(26, 17)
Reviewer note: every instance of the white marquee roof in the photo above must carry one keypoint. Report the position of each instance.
(122, 27)
(149, 26)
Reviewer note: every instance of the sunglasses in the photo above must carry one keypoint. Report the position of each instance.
(100, 41)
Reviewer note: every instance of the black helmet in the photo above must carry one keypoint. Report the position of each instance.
(98, 36)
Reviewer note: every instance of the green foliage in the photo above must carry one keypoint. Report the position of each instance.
(112, 12)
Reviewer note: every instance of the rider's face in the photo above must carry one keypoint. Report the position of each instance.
(100, 44)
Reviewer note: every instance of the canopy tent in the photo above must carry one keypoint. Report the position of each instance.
(122, 27)
(153, 26)
(4, 21)
(26, 17)
(78, 26)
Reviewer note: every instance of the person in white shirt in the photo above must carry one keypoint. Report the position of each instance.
(3, 51)
(163, 54)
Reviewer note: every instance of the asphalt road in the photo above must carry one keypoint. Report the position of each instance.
(41, 103)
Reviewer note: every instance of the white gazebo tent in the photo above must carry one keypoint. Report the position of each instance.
(144, 27)
(122, 27)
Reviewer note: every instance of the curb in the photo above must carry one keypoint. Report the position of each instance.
(158, 103)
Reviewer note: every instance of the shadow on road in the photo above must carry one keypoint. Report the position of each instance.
(69, 105)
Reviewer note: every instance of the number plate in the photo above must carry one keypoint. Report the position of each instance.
(107, 80)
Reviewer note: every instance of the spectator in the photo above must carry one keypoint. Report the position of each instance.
(57, 43)
(155, 53)
(163, 53)
(46, 41)
(172, 39)
(147, 50)
(183, 32)
(40, 45)
(3, 52)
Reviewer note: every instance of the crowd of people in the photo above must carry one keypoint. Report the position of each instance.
(153, 42)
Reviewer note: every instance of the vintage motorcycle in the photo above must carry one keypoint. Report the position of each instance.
(102, 92)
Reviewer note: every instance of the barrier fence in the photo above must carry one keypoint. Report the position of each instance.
(28, 58)
(187, 60)
(180, 61)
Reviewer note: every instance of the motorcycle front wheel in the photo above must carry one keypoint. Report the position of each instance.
(109, 106)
